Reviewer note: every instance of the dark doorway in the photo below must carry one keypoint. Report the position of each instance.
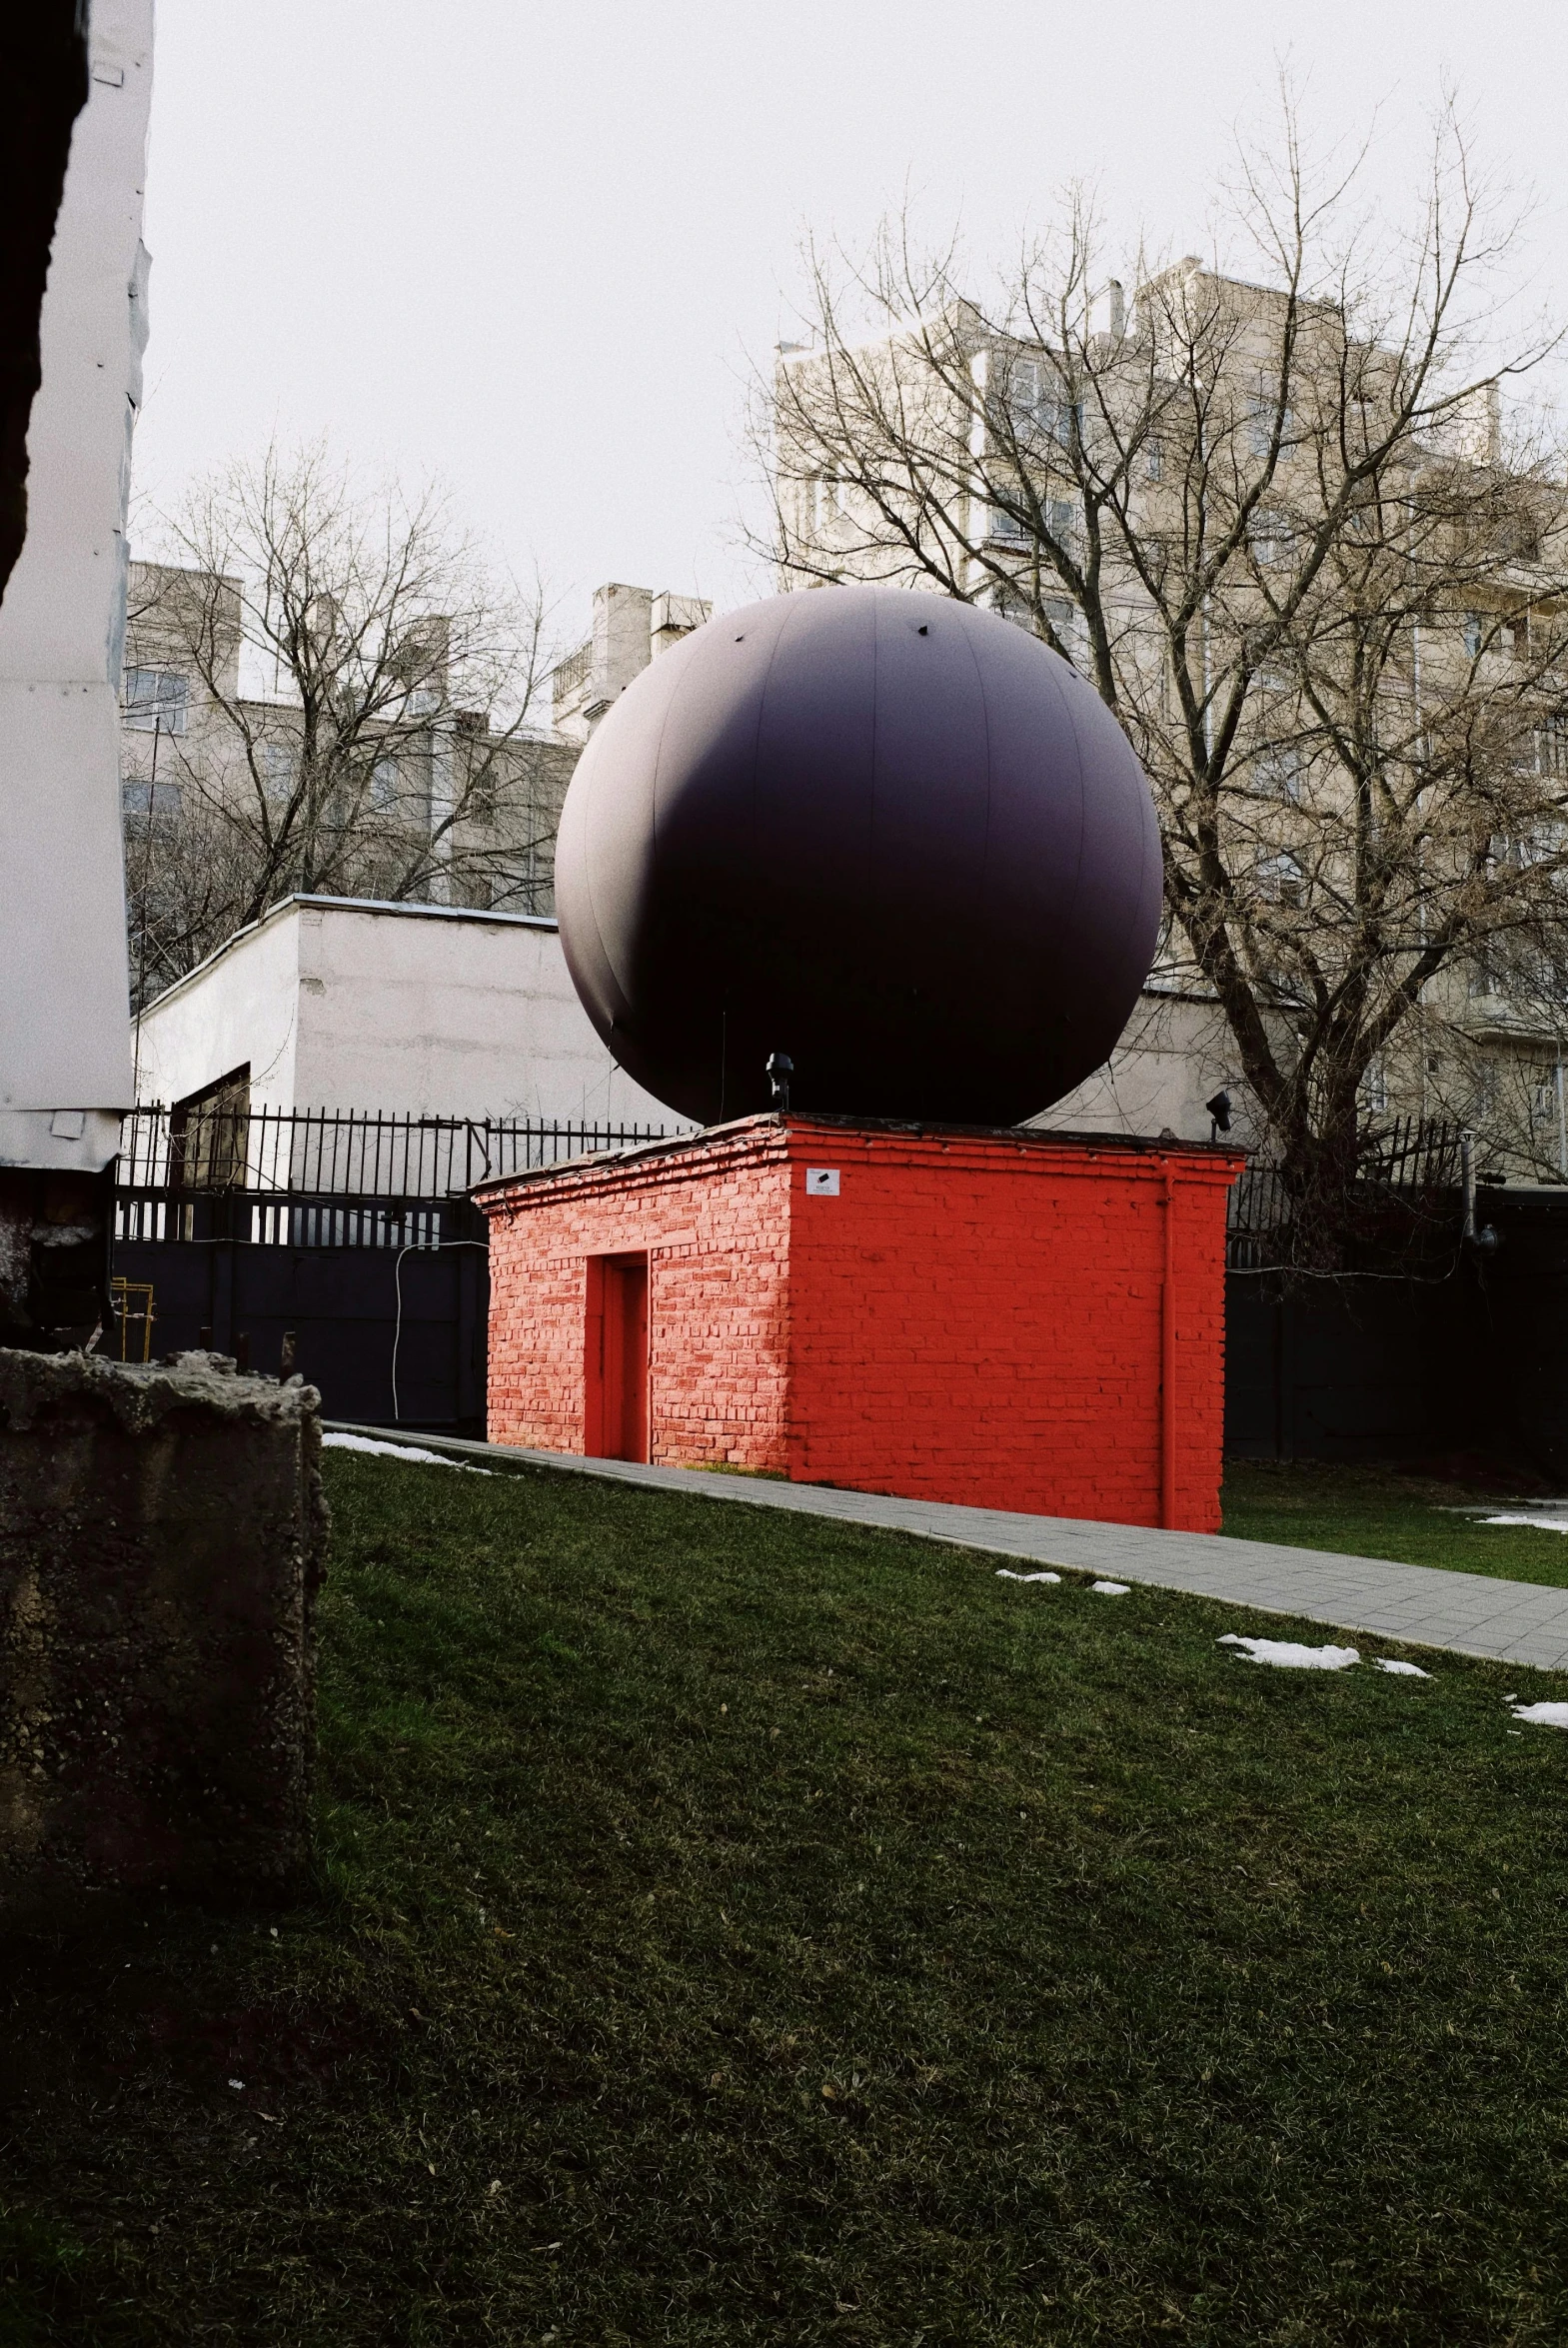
(209, 1134)
(617, 1363)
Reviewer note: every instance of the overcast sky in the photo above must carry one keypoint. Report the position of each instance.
(532, 245)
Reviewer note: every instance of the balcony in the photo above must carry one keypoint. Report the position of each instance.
(571, 674)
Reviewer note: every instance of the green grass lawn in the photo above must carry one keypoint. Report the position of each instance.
(735, 1927)
(1378, 1512)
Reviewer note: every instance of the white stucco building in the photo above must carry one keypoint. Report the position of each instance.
(405, 1009)
(65, 1061)
(1174, 1054)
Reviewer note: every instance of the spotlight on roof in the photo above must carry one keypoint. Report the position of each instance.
(1219, 1115)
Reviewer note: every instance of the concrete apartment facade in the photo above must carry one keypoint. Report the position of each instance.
(632, 626)
(187, 744)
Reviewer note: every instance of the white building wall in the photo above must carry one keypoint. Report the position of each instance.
(239, 1007)
(1175, 1054)
(422, 1011)
(409, 1009)
(65, 1040)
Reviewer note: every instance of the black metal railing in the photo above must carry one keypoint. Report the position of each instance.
(1413, 1153)
(1399, 1166)
(342, 1153)
(328, 1177)
(194, 1218)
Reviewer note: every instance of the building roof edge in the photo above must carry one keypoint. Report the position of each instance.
(361, 904)
(782, 1127)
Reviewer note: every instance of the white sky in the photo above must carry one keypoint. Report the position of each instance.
(531, 245)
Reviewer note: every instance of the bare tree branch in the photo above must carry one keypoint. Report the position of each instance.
(357, 715)
(1280, 528)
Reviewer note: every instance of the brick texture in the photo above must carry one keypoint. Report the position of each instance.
(984, 1319)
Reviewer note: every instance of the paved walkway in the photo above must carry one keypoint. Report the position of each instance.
(1422, 1606)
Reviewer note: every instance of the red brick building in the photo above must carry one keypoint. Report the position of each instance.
(1011, 1319)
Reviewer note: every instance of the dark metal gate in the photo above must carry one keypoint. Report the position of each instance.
(352, 1235)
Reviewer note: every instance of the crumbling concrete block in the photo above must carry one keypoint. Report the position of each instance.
(162, 1540)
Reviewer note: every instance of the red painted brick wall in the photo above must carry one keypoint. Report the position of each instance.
(970, 1319)
(715, 1224)
(981, 1320)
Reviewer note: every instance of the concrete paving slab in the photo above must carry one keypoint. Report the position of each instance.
(1419, 1605)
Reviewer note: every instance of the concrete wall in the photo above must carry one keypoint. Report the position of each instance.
(65, 1061)
(162, 1538)
(238, 1006)
(405, 1008)
(1175, 1052)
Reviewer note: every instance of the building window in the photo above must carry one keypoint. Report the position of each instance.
(1485, 975)
(277, 771)
(156, 701)
(1153, 459)
(1063, 418)
(140, 795)
(209, 1134)
(1062, 616)
(1281, 879)
(1025, 386)
(482, 793)
(1036, 402)
(1273, 536)
(829, 498)
(384, 784)
(1474, 634)
(1007, 523)
(1278, 772)
(1551, 749)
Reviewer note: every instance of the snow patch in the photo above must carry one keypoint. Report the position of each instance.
(352, 1442)
(1545, 1716)
(1541, 1523)
(1405, 1670)
(1109, 1589)
(1006, 1574)
(1290, 1657)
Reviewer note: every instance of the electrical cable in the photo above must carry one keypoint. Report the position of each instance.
(414, 1248)
(1411, 1280)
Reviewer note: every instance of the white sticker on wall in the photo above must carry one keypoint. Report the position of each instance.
(822, 1182)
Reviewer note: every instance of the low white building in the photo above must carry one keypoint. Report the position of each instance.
(407, 1009)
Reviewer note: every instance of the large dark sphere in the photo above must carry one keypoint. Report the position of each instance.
(890, 836)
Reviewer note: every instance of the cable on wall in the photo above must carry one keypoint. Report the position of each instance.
(416, 1248)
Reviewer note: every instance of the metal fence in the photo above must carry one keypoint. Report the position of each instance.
(221, 1147)
(1399, 1166)
(342, 1245)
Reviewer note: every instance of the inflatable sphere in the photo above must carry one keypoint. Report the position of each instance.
(887, 836)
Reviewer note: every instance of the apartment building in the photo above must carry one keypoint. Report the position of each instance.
(632, 626)
(388, 786)
(1341, 778)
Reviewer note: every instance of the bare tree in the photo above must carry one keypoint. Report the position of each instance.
(336, 690)
(1280, 528)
